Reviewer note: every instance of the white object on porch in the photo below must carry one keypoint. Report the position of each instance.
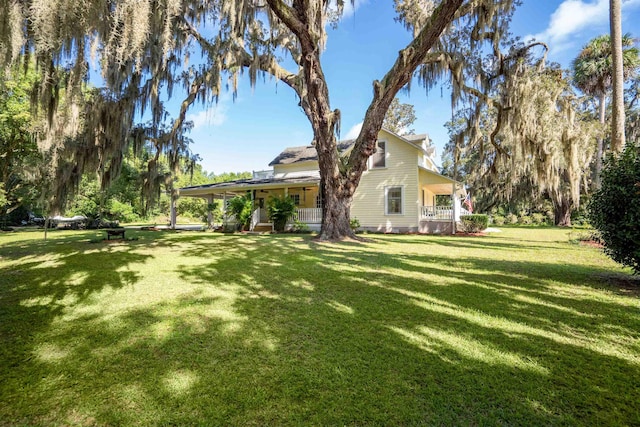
(443, 213)
(255, 219)
(310, 215)
(436, 213)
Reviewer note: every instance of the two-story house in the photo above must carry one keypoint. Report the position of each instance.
(397, 192)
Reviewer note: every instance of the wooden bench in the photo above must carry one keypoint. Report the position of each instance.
(114, 233)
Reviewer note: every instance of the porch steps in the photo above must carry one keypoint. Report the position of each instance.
(262, 228)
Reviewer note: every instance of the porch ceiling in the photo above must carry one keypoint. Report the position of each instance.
(440, 184)
(441, 189)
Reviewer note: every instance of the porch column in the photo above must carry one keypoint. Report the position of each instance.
(209, 200)
(173, 213)
(453, 208)
(224, 210)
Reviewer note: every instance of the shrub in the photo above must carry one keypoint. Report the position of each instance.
(122, 212)
(585, 235)
(192, 207)
(615, 208)
(280, 209)
(354, 223)
(512, 219)
(241, 207)
(525, 219)
(300, 227)
(474, 223)
(498, 220)
(539, 218)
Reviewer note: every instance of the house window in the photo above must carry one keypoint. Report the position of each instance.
(319, 201)
(393, 201)
(296, 199)
(378, 159)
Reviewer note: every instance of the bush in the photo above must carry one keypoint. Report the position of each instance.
(539, 218)
(585, 235)
(122, 212)
(498, 220)
(615, 208)
(354, 223)
(241, 207)
(192, 207)
(280, 209)
(512, 219)
(474, 223)
(300, 227)
(525, 219)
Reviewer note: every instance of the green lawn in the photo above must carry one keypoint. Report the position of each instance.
(517, 328)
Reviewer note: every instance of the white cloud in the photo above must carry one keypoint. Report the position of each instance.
(574, 16)
(354, 131)
(349, 9)
(215, 115)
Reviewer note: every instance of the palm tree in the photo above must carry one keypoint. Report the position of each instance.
(593, 75)
(617, 107)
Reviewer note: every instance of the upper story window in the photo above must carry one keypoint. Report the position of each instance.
(379, 158)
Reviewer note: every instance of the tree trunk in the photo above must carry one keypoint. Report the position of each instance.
(617, 115)
(46, 226)
(337, 194)
(600, 143)
(340, 177)
(562, 211)
(336, 212)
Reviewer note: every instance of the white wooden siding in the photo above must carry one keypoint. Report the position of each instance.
(401, 170)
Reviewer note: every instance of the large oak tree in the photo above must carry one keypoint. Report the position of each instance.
(143, 46)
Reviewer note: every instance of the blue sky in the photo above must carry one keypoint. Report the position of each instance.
(246, 134)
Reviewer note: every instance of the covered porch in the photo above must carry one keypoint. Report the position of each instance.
(305, 191)
(436, 215)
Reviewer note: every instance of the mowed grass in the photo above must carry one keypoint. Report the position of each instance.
(516, 328)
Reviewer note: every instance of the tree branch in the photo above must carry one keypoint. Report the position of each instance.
(291, 20)
(398, 76)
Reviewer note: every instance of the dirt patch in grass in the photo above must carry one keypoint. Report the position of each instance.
(592, 244)
(627, 285)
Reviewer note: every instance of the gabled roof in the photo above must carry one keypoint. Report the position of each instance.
(308, 153)
(305, 153)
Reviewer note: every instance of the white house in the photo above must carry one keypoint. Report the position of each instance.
(397, 192)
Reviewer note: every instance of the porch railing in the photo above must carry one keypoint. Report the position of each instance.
(440, 213)
(310, 215)
(437, 212)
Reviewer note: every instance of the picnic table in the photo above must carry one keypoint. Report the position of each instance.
(115, 233)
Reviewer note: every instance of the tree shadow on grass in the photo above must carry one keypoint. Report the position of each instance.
(40, 280)
(281, 330)
(472, 242)
(556, 351)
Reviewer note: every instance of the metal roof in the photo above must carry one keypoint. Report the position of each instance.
(248, 184)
